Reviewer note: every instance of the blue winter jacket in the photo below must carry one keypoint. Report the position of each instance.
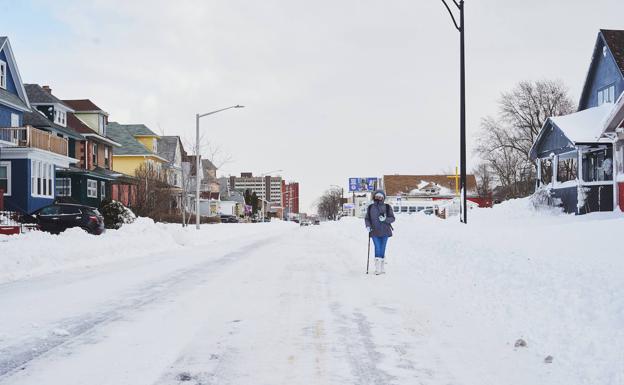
(377, 208)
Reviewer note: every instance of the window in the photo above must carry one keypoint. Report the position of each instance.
(106, 156)
(50, 210)
(94, 155)
(155, 145)
(101, 125)
(15, 120)
(41, 175)
(567, 168)
(606, 95)
(5, 177)
(546, 165)
(404, 209)
(92, 188)
(70, 210)
(102, 190)
(3, 75)
(63, 187)
(598, 166)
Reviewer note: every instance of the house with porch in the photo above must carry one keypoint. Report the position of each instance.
(139, 146)
(578, 156)
(176, 170)
(91, 181)
(32, 148)
(88, 181)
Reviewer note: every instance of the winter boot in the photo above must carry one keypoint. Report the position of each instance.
(378, 262)
(382, 262)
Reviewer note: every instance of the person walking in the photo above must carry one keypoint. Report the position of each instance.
(378, 220)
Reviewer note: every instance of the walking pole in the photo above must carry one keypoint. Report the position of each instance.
(368, 257)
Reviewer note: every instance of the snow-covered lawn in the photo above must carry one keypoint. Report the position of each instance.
(279, 304)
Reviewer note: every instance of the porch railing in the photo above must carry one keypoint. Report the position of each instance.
(29, 136)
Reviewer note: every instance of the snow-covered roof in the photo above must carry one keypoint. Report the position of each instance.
(584, 126)
(616, 116)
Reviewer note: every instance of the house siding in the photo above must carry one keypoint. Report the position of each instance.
(603, 72)
(553, 141)
(11, 87)
(20, 199)
(5, 116)
(79, 189)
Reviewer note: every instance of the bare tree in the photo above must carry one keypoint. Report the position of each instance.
(329, 204)
(505, 141)
(154, 197)
(483, 175)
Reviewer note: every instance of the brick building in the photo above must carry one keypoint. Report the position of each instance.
(290, 197)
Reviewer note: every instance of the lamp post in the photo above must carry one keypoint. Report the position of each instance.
(463, 216)
(197, 158)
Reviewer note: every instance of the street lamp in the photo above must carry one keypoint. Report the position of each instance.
(463, 216)
(197, 160)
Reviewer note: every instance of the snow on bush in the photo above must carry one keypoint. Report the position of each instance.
(116, 214)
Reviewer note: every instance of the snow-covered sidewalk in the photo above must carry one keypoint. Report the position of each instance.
(279, 304)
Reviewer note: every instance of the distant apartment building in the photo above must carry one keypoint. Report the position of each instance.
(290, 197)
(266, 187)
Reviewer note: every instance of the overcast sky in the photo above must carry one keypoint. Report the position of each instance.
(332, 89)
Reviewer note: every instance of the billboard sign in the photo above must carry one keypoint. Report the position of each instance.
(362, 184)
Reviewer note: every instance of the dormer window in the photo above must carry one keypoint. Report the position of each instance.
(155, 145)
(3, 75)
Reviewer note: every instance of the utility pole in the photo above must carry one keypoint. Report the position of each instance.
(463, 216)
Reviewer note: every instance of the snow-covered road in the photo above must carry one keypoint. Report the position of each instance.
(279, 304)
(294, 307)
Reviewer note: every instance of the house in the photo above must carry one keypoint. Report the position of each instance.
(139, 146)
(209, 187)
(578, 155)
(176, 170)
(29, 156)
(410, 194)
(88, 181)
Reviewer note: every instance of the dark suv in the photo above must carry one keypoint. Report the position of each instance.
(59, 217)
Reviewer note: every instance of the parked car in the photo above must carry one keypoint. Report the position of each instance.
(316, 221)
(59, 217)
(229, 219)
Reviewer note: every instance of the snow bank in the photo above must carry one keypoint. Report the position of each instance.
(515, 272)
(37, 253)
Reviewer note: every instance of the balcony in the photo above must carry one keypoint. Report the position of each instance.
(35, 138)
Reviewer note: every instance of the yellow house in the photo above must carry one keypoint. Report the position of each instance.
(139, 145)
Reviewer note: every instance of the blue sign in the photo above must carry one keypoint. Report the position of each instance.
(362, 184)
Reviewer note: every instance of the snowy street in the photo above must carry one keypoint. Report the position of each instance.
(290, 305)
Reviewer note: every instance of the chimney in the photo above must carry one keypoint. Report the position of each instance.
(48, 89)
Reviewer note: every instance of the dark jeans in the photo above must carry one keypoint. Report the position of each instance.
(380, 246)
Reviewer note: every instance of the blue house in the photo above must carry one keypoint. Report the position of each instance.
(580, 157)
(28, 156)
